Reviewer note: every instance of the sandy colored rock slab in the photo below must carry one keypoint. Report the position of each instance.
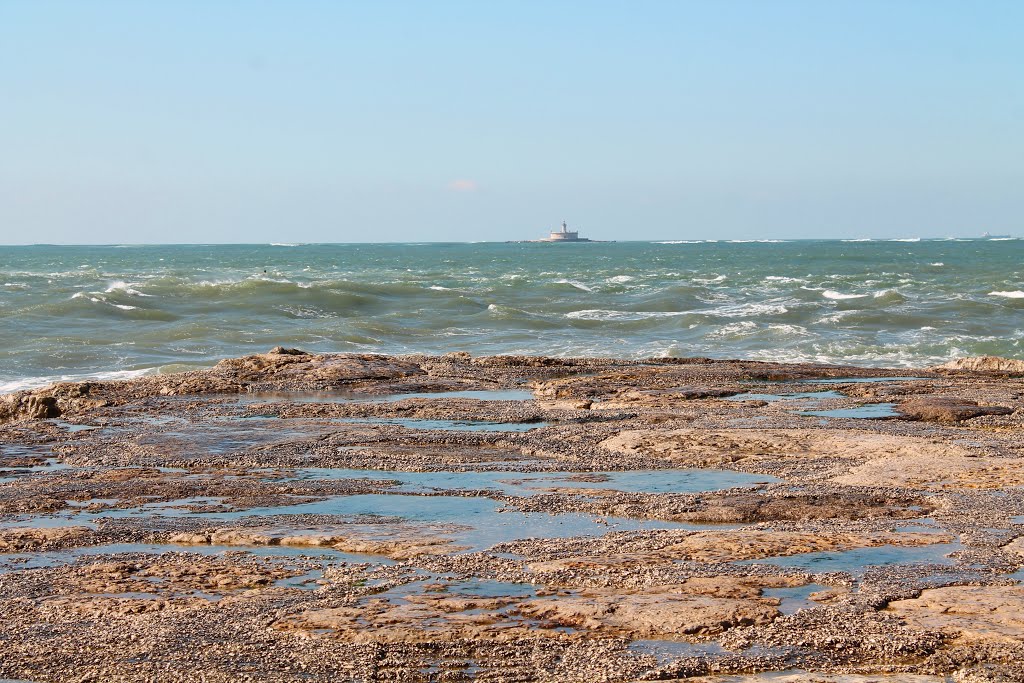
(742, 544)
(177, 574)
(971, 614)
(931, 471)
(947, 410)
(21, 539)
(993, 364)
(394, 548)
(667, 612)
(886, 459)
(418, 619)
(712, 447)
(664, 612)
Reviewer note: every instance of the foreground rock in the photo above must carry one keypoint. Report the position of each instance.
(293, 516)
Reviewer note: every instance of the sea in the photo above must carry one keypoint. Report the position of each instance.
(120, 311)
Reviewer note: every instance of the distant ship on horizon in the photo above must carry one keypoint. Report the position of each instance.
(990, 236)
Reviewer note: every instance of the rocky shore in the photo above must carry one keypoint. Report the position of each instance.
(298, 517)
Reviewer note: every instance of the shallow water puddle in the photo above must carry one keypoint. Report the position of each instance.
(858, 380)
(523, 484)
(225, 435)
(480, 522)
(10, 473)
(858, 560)
(870, 411)
(350, 397)
(447, 425)
(800, 396)
(794, 598)
(59, 558)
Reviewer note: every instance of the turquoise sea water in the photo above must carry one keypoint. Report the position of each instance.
(70, 312)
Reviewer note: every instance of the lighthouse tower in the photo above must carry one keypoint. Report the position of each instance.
(564, 235)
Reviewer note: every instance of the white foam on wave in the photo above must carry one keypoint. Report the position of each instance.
(680, 242)
(710, 281)
(603, 314)
(832, 318)
(937, 264)
(286, 244)
(735, 329)
(127, 288)
(859, 239)
(573, 283)
(1001, 239)
(789, 330)
(620, 279)
(906, 239)
(44, 381)
(1015, 294)
(833, 294)
(782, 278)
(100, 299)
(439, 288)
(745, 310)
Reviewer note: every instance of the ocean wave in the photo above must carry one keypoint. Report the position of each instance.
(602, 314)
(906, 239)
(127, 288)
(1015, 294)
(621, 279)
(859, 239)
(710, 281)
(25, 383)
(573, 283)
(681, 242)
(747, 310)
(839, 296)
(739, 329)
(789, 330)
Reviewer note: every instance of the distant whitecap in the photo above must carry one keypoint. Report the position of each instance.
(832, 294)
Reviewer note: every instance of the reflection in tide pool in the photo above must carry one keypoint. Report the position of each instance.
(58, 558)
(448, 425)
(350, 397)
(859, 380)
(523, 484)
(800, 396)
(870, 411)
(858, 560)
(481, 522)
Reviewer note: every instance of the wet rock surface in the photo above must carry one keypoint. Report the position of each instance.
(291, 516)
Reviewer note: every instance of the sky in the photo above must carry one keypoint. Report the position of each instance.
(202, 121)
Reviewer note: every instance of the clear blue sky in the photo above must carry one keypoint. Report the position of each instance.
(232, 121)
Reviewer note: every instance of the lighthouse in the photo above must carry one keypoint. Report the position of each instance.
(564, 235)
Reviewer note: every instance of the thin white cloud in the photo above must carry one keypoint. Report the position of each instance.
(463, 185)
